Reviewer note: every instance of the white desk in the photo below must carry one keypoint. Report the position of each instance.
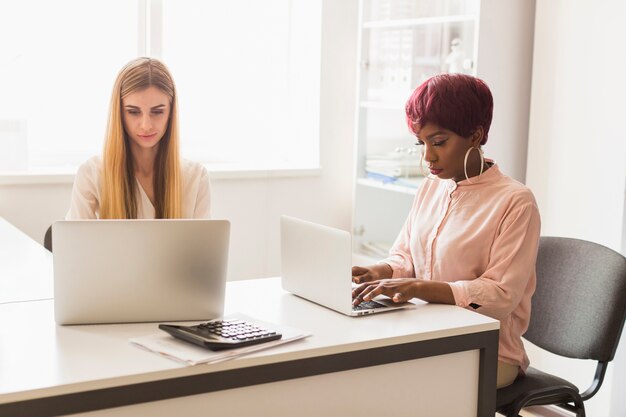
(435, 360)
(25, 266)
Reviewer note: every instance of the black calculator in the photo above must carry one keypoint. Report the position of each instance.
(221, 334)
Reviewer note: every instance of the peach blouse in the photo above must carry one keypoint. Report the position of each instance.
(481, 238)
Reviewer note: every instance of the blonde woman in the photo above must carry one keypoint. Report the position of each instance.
(140, 174)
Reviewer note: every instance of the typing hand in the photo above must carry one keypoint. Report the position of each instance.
(398, 289)
(361, 274)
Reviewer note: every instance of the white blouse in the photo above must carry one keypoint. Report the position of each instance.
(85, 203)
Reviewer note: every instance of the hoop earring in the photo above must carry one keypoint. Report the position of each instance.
(482, 162)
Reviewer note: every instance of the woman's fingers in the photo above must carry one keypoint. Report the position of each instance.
(358, 279)
(399, 290)
(358, 270)
(399, 297)
(367, 292)
(363, 290)
(361, 274)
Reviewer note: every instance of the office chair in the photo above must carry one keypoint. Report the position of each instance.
(578, 311)
(47, 239)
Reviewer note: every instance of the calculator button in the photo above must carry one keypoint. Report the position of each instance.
(223, 334)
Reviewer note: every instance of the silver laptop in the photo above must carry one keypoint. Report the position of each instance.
(116, 271)
(316, 265)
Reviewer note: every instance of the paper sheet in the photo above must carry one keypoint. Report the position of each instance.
(187, 353)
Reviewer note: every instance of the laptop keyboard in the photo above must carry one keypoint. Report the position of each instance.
(367, 305)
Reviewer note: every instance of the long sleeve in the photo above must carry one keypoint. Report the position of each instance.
(84, 203)
(481, 238)
(203, 200)
(196, 190)
(506, 279)
(400, 258)
(408, 255)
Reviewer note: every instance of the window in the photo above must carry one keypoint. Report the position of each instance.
(247, 74)
(58, 61)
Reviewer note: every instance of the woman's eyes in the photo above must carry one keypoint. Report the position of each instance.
(434, 143)
(137, 112)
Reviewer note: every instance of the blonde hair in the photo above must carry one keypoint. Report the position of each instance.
(118, 180)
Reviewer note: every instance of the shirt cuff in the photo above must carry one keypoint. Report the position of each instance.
(460, 293)
(396, 267)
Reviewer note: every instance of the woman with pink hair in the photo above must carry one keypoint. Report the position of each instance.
(472, 234)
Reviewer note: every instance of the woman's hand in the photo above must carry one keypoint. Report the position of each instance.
(398, 289)
(361, 274)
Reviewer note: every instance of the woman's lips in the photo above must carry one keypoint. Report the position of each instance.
(147, 137)
(435, 171)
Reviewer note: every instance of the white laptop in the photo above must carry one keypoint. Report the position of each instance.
(116, 271)
(316, 263)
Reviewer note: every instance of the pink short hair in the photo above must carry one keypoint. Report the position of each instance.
(457, 102)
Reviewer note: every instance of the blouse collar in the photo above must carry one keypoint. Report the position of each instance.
(489, 176)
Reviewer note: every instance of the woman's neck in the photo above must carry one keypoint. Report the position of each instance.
(474, 168)
(143, 160)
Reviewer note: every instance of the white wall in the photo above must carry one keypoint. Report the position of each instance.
(577, 147)
(254, 206)
(505, 50)
(576, 151)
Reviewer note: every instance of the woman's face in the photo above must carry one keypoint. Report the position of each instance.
(444, 152)
(145, 115)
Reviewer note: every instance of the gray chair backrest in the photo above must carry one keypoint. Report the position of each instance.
(579, 306)
(47, 239)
